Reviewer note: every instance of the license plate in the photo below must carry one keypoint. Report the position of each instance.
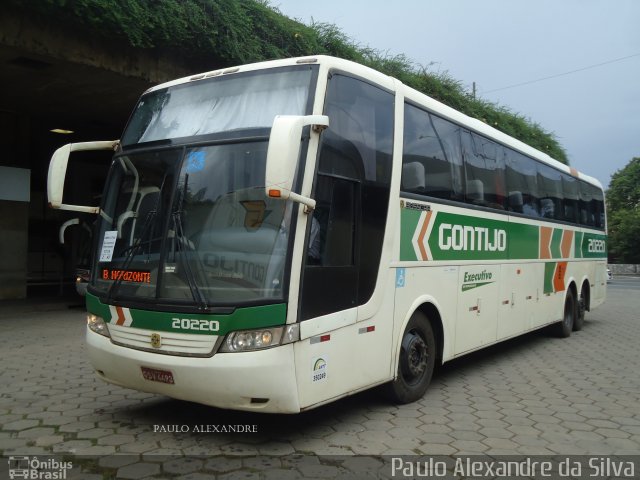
(155, 375)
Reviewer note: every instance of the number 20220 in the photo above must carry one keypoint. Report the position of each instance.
(195, 324)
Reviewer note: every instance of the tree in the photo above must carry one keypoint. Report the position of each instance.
(623, 211)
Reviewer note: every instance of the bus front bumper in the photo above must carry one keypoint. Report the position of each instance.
(263, 380)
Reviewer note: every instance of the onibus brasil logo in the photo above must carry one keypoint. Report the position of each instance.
(37, 469)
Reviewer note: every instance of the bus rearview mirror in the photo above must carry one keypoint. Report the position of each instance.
(283, 153)
(58, 172)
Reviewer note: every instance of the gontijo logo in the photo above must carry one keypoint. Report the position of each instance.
(448, 236)
(464, 237)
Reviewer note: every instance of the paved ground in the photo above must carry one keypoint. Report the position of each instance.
(533, 395)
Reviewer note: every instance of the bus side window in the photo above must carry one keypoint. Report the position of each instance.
(331, 238)
(597, 207)
(571, 198)
(550, 189)
(351, 189)
(586, 215)
(432, 162)
(484, 170)
(591, 206)
(521, 175)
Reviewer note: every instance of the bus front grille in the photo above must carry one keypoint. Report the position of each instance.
(168, 343)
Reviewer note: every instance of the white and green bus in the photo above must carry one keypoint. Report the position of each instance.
(276, 236)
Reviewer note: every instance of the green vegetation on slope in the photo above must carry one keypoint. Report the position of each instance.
(218, 33)
(623, 213)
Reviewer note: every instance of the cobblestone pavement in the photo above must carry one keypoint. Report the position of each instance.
(535, 395)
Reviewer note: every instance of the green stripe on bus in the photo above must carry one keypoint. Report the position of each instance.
(556, 240)
(523, 241)
(549, 270)
(241, 319)
(408, 224)
(577, 245)
(464, 237)
(95, 306)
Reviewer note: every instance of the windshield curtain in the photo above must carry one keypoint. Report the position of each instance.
(187, 225)
(220, 104)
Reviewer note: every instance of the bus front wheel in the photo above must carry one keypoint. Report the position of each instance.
(416, 362)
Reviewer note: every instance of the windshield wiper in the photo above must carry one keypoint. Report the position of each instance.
(132, 249)
(181, 241)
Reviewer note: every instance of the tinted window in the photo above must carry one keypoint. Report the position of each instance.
(550, 191)
(492, 175)
(352, 190)
(331, 240)
(522, 184)
(484, 171)
(586, 196)
(598, 207)
(571, 197)
(591, 206)
(361, 131)
(432, 160)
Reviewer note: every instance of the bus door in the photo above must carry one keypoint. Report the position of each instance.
(341, 349)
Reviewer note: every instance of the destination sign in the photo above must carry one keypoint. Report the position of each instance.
(134, 276)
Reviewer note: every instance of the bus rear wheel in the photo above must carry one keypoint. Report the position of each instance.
(581, 308)
(416, 362)
(564, 328)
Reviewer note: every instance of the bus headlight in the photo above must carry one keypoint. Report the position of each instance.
(97, 324)
(249, 340)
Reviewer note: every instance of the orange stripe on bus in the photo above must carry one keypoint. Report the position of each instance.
(120, 316)
(558, 277)
(545, 242)
(565, 245)
(423, 233)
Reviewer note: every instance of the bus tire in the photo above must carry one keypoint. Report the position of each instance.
(416, 362)
(565, 326)
(581, 308)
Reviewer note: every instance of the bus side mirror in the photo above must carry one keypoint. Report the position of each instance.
(63, 227)
(58, 172)
(283, 154)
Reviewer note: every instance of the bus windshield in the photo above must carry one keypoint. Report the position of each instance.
(192, 225)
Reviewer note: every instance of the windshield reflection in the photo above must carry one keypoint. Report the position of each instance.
(193, 225)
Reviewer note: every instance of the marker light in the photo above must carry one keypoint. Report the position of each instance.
(98, 325)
